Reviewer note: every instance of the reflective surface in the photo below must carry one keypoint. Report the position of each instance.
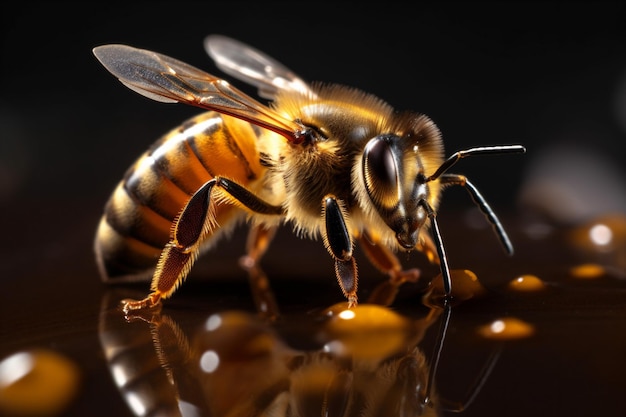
(523, 334)
(527, 341)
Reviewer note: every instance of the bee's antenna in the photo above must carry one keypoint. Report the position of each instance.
(455, 157)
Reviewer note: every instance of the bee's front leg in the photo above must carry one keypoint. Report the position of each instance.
(339, 244)
(386, 261)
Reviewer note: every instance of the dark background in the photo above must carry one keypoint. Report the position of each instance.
(487, 73)
(549, 75)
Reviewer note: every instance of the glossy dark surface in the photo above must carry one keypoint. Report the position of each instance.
(69, 131)
(576, 350)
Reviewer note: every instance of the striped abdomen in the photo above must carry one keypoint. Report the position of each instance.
(139, 214)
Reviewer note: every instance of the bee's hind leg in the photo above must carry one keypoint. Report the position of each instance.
(194, 223)
(188, 232)
(259, 238)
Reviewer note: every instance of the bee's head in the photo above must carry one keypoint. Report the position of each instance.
(394, 170)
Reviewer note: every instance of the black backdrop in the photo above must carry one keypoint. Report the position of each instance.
(537, 73)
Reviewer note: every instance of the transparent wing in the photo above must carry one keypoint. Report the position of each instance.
(254, 67)
(169, 80)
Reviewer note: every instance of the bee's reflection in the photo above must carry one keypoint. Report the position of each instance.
(364, 361)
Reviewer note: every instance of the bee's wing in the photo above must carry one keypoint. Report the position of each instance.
(254, 67)
(169, 80)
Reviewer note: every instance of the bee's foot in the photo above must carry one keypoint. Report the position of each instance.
(150, 302)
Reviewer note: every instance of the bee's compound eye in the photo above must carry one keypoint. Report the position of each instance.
(379, 165)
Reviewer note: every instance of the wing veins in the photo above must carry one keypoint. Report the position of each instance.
(166, 79)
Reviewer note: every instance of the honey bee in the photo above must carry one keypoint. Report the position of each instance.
(331, 160)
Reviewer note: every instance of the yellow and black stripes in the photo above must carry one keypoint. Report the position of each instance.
(138, 218)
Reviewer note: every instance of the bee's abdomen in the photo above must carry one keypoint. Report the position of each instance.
(138, 216)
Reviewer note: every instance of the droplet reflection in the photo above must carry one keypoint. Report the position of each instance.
(15, 367)
(213, 322)
(209, 361)
(600, 234)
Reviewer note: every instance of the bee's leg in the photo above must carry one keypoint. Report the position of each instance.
(386, 261)
(190, 228)
(188, 231)
(339, 244)
(259, 239)
(441, 251)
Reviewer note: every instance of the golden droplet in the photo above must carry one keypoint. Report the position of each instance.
(506, 329)
(603, 234)
(37, 383)
(527, 283)
(366, 331)
(587, 271)
(465, 285)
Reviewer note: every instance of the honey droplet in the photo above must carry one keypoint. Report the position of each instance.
(604, 234)
(366, 331)
(527, 283)
(37, 383)
(465, 285)
(506, 329)
(588, 271)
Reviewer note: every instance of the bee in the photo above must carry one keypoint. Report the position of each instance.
(333, 161)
